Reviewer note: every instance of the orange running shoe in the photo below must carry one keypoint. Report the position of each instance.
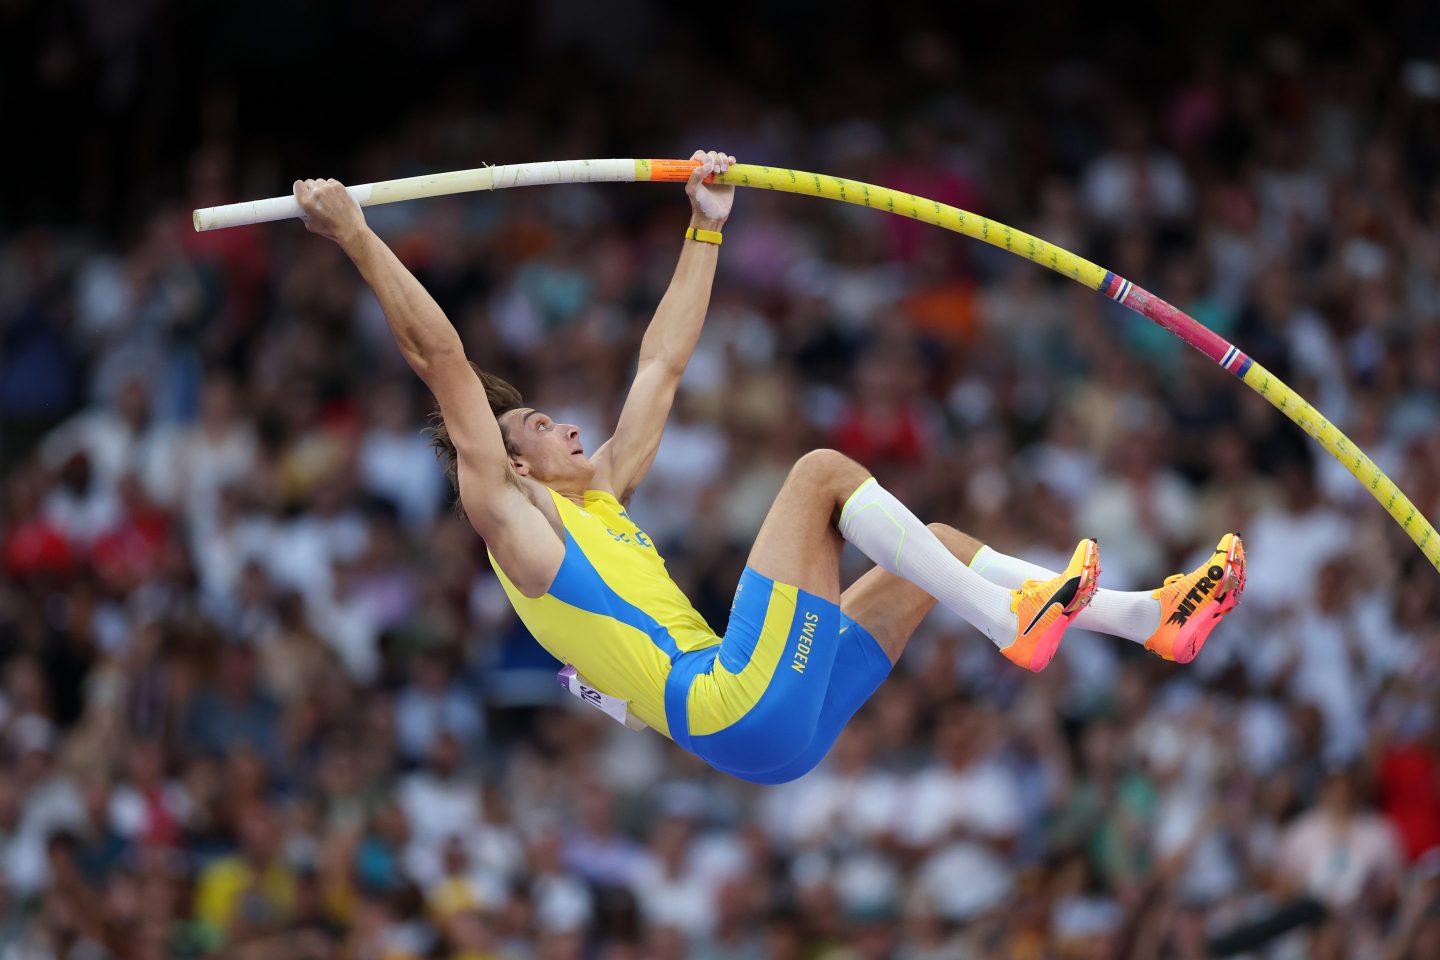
(1044, 608)
(1192, 604)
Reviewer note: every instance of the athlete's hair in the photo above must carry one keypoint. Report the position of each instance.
(502, 398)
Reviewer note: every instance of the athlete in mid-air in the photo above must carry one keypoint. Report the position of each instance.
(765, 701)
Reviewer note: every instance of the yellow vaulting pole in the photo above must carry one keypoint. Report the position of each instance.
(1022, 244)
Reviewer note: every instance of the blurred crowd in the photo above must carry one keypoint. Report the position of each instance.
(260, 695)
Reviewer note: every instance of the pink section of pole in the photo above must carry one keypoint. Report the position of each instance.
(1178, 322)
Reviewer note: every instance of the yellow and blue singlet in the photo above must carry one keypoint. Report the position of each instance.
(763, 703)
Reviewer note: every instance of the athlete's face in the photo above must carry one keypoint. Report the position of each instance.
(547, 451)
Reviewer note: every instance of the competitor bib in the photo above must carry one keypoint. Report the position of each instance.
(613, 707)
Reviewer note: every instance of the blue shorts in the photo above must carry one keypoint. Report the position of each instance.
(767, 703)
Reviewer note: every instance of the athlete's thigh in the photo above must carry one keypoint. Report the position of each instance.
(798, 543)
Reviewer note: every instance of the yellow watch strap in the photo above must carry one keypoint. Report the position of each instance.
(704, 236)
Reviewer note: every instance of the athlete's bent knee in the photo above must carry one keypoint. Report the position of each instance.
(826, 469)
(822, 460)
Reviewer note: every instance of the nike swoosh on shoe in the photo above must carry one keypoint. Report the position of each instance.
(1063, 595)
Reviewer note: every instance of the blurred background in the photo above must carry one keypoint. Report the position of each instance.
(260, 695)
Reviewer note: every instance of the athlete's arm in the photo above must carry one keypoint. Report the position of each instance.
(519, 535)
(669, 340)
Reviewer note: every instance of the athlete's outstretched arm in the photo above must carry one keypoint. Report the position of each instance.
(669, 340)
(515, 531)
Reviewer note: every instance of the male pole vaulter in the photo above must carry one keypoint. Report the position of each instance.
(798, 658)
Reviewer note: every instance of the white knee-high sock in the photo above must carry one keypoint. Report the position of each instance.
(1134, 615)
(885, 530)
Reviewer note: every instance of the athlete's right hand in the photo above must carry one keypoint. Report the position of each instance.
(709, 202)
(328, 210)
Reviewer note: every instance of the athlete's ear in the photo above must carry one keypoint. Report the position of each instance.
(520, 467)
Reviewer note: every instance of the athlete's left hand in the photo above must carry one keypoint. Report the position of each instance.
(709, 202)
(328, 210)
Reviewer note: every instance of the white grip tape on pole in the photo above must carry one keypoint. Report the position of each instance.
(562, 171)
(434, 185)
(265, 211)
